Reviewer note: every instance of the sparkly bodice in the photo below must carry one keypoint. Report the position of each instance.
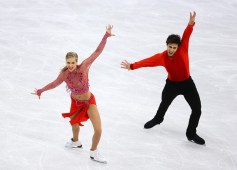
(77, 80)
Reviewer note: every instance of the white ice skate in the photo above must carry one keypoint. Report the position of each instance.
(96, 156)
(72, 144)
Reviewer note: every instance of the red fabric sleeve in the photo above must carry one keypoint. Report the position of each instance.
(186, 35)
(153, 61)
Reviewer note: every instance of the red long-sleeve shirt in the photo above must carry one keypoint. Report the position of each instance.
(178, 66)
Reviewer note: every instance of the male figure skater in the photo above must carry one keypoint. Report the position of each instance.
(179, 82)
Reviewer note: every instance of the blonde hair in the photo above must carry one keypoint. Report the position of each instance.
(69, 55)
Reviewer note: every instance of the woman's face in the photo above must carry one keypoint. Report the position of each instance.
(71, 63)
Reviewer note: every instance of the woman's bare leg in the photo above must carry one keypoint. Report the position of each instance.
(75, 129)
(94, 116)
(75, 132)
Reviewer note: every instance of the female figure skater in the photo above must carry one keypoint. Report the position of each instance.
(83, 103)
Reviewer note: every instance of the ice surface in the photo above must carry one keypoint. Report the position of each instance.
(36, 35)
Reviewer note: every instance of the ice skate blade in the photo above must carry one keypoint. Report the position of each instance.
(77, 147)
(103, 162)
(196, 143)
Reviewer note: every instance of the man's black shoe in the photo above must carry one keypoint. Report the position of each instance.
(152, 123)
(197, 139)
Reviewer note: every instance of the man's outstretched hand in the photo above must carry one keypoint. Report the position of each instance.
(192, 18)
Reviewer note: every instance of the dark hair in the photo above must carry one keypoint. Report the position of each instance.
(173, 39)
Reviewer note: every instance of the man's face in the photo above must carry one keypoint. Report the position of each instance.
(172, 48)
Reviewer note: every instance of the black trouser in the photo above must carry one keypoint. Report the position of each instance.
(188, 89)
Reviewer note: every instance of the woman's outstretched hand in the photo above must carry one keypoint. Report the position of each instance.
(125, 65)
(109, 29)
(37, 92)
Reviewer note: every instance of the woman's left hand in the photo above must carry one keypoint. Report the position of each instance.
(109, 29)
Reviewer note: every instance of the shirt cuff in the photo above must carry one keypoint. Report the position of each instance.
(191, 25)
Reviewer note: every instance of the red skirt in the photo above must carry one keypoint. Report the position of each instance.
(80, 106)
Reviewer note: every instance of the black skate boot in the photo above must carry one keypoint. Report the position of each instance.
(152, 123)
(196, 139)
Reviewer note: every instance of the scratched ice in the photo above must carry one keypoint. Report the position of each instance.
(34, 38)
